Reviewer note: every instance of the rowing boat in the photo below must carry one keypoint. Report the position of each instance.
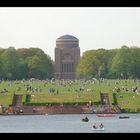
(98, 129)
(105, 115)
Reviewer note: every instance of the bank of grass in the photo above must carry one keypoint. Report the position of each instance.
(69, 93)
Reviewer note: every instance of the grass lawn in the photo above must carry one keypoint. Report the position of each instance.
(70, 91)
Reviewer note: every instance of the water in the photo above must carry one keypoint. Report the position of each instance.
(68, 124)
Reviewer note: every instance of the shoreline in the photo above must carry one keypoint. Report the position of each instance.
(67, 114)
(57, 109)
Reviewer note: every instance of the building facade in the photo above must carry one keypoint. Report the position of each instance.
(67, 56)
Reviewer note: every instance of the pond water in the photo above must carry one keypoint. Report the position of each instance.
(70, 123)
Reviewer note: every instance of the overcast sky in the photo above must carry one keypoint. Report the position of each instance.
(95, 27)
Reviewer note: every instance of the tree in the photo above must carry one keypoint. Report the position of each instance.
(120, 67)
(1, 65)
(39, 67)
(10, 63)
(95, 63)
(88, 65)
(36, 63)
(135, 62)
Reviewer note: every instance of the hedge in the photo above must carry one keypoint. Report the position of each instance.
(55, 103)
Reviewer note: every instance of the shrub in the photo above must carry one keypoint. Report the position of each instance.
(55, 103)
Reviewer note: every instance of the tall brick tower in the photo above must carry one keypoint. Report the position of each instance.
(67, 56)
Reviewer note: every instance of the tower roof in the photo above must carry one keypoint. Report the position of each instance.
(67, 37)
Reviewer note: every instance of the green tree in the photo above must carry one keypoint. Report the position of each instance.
(120, 67)
(39, 67)
(135, 62)
(10, 63)
(88, 65)
(1, 65)
(36, 63)
(95, 63)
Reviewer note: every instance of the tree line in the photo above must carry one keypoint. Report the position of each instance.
(25, 63)
(121, 63)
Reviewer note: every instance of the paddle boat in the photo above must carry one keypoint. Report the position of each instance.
(124, 117)
(85, 119)
(98, 128)
(105, 115)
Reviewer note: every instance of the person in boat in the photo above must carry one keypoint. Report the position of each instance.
(95, 126)
(86, 118)
(101, 125)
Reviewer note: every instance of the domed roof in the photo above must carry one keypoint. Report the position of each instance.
(67, 37)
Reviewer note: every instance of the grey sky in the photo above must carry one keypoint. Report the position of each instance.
(95, 27)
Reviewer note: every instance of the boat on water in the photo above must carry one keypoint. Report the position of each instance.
(124, 117)
(105, 115)
(98, 129)
(85, 119)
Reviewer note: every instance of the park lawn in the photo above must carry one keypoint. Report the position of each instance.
(6, 99)
(63, 97)
(68, 93)
(128, 101)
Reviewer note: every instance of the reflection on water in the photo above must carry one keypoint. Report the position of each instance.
(68, 123)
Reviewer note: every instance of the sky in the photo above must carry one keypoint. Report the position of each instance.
(95, 27)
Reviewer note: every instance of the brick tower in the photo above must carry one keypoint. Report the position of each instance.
(67, 56)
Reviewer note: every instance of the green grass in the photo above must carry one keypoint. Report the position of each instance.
(68, 93)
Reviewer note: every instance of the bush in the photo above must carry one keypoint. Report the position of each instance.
(97, 103)
(128, 110)
(55, 103)
(123, 110)
(138, 109)
(28, 98)
(115, 99)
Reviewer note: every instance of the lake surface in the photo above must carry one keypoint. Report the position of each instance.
(68, 124)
